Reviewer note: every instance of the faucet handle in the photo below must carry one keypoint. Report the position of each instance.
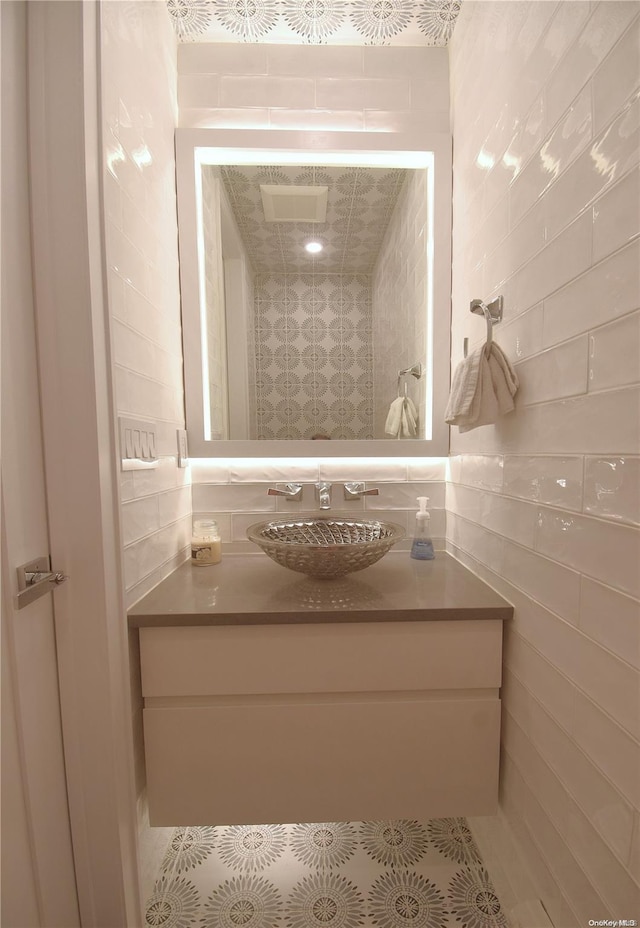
(357, 491)
(291, 491)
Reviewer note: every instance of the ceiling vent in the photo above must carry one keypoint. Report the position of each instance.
(288, 203)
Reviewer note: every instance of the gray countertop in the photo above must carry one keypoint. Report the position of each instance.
(250, 589)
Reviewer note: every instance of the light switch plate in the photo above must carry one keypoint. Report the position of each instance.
(137, 444)
(183, 450)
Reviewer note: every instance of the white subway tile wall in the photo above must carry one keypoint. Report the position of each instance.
(139, 73)
(235, 492)
(545, 506)
(370, 89)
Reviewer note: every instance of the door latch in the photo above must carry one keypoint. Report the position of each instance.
(35, 579)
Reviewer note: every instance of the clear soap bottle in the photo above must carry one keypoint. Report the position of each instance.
(206, 545)
(422, 546)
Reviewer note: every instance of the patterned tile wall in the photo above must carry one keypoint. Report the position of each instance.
(314, 351)
(336, 874)
(352, 22)
(545, 505)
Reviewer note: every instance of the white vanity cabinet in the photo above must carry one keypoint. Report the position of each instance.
(342, 721)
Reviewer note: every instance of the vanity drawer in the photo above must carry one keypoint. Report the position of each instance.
(331, 760)
(350, 657)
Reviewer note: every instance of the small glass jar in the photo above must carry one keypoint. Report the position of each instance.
(206, 546)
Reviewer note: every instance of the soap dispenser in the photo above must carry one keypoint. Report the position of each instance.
(422, 547)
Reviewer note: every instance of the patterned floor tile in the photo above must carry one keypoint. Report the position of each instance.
(323, 845)
(188, 848)
(403, 874)
(175, 902)
(452, 837)
(253, 902)
(394, 844)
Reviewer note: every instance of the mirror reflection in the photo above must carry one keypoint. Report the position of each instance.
(307, 342)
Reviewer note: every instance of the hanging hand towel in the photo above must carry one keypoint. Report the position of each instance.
(483, 388)
(504, 378)
(394, 418)
(464, 387)
(409, 419)
(402, 420)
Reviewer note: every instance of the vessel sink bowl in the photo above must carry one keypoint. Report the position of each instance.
(325, 548)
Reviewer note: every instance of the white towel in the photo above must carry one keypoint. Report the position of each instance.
(402, 419)
(483, 388)
(464, 387)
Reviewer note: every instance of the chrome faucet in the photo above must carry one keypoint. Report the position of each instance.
(323, 495)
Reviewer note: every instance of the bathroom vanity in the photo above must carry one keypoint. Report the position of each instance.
(270, 697)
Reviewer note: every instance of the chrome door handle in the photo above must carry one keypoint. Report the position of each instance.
(35, 579)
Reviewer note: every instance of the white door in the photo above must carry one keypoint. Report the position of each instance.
(38, 877)
(67, 747)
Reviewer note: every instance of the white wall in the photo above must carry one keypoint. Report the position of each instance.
(139, 119)
(545, 505)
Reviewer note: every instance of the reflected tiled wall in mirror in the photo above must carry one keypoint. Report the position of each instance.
(314, 358)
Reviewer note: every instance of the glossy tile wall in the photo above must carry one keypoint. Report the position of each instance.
(545, 505)
(139, 119)
(373, 89)
(234, 492)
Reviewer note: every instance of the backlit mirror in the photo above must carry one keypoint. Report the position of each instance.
(315, 292)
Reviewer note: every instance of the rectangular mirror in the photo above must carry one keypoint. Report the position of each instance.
(283, 347)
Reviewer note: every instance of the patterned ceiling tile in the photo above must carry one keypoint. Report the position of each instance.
(316, 22)
(359, 206)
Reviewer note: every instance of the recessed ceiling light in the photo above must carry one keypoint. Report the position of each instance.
(313, 247)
